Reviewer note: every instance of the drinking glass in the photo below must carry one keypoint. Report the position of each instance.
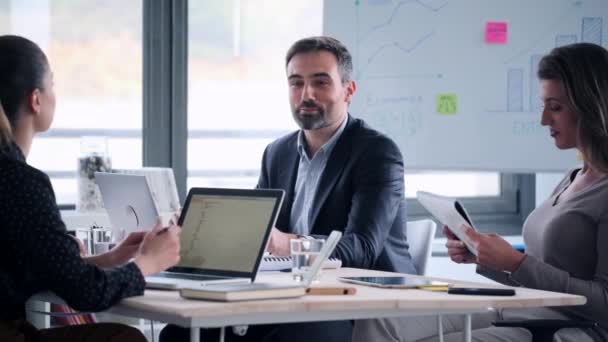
(303, 254)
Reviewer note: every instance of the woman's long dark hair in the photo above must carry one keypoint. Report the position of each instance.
(5, 129)
(22, 69)
(583, 70)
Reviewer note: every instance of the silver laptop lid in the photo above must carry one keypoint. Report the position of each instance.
(127, 200)
(224, 231)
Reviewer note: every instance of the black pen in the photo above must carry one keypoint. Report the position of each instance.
(162, 231)
(481, 291)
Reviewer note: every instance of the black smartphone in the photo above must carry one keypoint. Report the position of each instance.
(476, 291)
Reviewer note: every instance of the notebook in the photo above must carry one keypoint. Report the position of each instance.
(450, 213)
(264, 290)
(278, 263)
(223, 238)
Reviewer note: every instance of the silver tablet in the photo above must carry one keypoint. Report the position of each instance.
(128, 201)
(402, 282)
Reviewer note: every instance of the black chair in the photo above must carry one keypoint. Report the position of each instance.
(543, 329)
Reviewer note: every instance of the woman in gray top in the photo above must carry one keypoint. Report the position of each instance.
(565, 237)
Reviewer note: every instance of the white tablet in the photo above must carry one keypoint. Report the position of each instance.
(450, 213)
(128, 201)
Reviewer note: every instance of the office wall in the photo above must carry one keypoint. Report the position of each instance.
(454, 82)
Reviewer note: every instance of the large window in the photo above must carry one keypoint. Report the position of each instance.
(238, 94)
(237, 87)
(455, 184)
(95, 52)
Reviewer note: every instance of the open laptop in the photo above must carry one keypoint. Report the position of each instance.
(223, 238)
(128, 201)
(235, 292)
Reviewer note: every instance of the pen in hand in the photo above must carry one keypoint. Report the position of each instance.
(162, 231)
(173, 221)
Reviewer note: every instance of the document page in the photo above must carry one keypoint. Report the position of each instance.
(446, 210)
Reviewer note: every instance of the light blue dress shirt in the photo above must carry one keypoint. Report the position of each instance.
(307, 181)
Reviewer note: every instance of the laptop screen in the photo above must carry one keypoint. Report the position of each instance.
(226, 232)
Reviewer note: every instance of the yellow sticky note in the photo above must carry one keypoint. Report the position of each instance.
(580, 156)
(447, 103)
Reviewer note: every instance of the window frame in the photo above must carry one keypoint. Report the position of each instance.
(165, 88)
(503, 214)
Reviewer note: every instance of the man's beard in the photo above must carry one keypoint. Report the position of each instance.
(310, 121)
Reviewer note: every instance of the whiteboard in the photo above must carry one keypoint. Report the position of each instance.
(428, 78)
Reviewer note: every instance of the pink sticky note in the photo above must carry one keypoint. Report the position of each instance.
(496, 32)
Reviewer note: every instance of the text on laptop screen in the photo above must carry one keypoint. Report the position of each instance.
(224, 233)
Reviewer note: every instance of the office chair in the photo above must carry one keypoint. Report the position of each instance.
(543, 329)
(420, 236)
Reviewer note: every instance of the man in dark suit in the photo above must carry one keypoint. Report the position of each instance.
(338, 174)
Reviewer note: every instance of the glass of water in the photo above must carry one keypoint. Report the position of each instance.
(303, 255)
(102, 240)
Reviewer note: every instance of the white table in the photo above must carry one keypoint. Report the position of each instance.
(369, 302)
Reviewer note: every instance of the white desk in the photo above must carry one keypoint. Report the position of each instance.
(369, 302)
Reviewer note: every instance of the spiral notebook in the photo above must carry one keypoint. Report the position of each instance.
(277, 263)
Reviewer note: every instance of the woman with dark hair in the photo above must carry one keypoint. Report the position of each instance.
(565, 237)
(36, 252)
(5, 128)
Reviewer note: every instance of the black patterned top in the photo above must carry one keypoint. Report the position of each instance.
(37, 254)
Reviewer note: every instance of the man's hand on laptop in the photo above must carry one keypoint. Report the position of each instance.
(159, 251)
(279, 242)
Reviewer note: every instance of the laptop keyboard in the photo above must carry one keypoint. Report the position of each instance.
(188, 276)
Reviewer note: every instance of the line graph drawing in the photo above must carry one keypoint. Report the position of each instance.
(401, 48)
(394, 13)
(391, 47)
